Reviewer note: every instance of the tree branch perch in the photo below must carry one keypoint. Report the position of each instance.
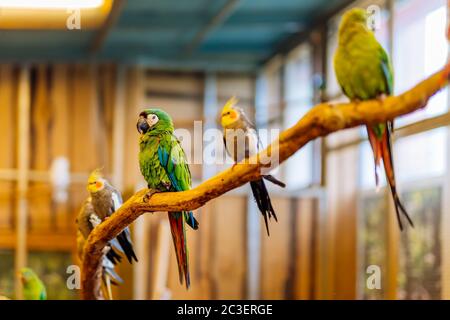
(320, 121)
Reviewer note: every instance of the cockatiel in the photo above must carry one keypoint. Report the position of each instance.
(164, 166)
(33, 288)
(241, 141)
(87, 220)
(364, 71)
(106, 200)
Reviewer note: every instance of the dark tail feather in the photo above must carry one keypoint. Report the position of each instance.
(263, 202)
(386, 152)
(113, 256)
(176, 220)
(126, 245)
(275, 180)
(190, 220)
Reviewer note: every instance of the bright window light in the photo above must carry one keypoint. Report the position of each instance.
(51, 4)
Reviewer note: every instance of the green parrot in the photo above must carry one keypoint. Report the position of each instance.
(364, 71)
(164, 166)
(33, 288)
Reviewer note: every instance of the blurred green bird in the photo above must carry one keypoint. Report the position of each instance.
(364, 71)
(33, 288)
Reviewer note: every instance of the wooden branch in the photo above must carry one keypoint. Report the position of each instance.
(321, 120)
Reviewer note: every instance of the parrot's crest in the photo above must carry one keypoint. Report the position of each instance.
(95, 175)
(230, 104)
(95, 181)
(230, 113)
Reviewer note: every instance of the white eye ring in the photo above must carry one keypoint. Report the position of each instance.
(152, 119)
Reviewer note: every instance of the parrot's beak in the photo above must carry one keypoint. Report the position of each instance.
(142, 125)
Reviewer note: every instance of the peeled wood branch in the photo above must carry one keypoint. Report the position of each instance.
(320, 121)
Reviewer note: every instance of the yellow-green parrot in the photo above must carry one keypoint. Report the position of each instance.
(33, 288)
(164, 166)
(364, 71)
(238, 128)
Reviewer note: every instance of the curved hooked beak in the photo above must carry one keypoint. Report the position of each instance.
(142, 125)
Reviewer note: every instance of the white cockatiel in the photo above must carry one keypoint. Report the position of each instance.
(241, 141)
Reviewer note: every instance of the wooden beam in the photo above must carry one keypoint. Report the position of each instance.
(162, 260)
(213, 24)
(102, 34)
(23, 156)
(290, 43)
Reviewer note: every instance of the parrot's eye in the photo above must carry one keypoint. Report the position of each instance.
(153, 118)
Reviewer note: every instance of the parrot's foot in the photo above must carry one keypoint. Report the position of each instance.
(149, 194)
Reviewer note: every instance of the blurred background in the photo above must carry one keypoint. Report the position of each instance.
(73, 80)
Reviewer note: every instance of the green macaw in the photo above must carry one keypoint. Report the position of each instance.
(33, 288)
(164, 166)
(364, 71)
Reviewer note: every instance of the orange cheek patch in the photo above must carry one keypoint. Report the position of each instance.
(98, 185)
(233, 115)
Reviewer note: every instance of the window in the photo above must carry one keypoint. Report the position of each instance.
(372, 242)
(419, 41)
(298, 99)
(420, 248)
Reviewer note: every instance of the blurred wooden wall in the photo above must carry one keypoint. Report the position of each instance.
(74, 114)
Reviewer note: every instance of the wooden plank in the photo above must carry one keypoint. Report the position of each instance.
(135, 103)
(102, 34)
(343, 217)
(228, 236)
(39, 193)
(39, 240)
(304, 253)
(23, 157)
(162, 255)
(84, 131)
(60, 133)
(275, 252)
(7, 132)
(118, 133)
(141, 240)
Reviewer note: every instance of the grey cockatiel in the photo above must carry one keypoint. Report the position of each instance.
(87, 220)
(241, 141)
(106, 200)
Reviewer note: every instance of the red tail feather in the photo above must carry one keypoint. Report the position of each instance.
(381, 147)
(179, 240)
(376, 148)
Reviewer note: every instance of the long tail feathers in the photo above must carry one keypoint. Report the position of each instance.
(275, 181)
(382, 149)
(263, 201)
(124, 240)
(177, 220)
